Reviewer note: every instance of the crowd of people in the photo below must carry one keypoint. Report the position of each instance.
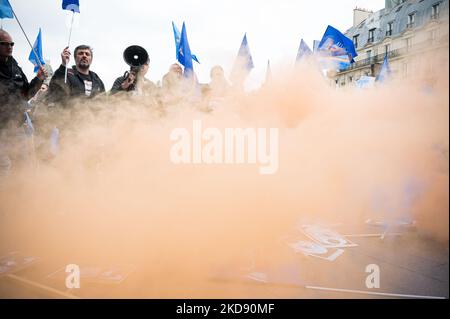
(25, 104)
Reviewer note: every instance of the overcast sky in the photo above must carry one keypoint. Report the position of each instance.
(215, 29)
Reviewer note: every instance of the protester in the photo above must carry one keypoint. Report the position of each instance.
(172, 85)
(81, 81)
(134, 81)
(15, 90)
(218, 86)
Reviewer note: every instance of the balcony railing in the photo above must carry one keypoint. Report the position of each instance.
(372, 60)
(418, 47)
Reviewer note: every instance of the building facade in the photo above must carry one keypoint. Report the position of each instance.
(412, 33)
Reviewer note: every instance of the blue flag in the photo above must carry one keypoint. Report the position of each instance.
(38, 49)
(177, 36)
(303, 50)
(336, 44)
(244, 53)
(385, 71)
(184, 53)
(6, 10)
(71, 5)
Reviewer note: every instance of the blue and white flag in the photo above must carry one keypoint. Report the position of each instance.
(303, 51)
(244, 53)
(71, 5)
(385, 71)
(177, 36)
(6, 11)
(337, 44)
(243, 63)
(37, 49)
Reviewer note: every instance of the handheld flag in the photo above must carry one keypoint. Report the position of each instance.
(337, 44)
(303, 51)
(245, 55)
(385, 71)
(37, 49)
(243, 64)
(185, 56)
(177, 36)
(6, 11)
(74, 6)
(71, 5)
(337, 51)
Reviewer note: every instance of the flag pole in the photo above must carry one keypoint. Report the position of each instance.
(28, 40)
(68, 44)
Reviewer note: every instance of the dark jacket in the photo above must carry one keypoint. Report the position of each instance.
(148, 86)
(15, 91)
(59, 92)
(117, 86)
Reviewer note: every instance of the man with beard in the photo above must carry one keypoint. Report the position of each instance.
(81, 81)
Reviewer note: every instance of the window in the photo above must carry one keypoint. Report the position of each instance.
(411, 20)
(369, 55)
(387, 48)
(371, 36)
(390, 27)
(355, 40)
(409, 43)
(435, 11)
(433, 34)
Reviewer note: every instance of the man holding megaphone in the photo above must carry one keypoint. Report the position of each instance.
(134, 80)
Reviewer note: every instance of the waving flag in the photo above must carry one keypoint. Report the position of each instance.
(6, 11)
(337, 44)
(245, 55)
(184, 53)
(71, 5)
(243, 64)
(38, 50)
(177, 36)
(303, 50)
(385, 71)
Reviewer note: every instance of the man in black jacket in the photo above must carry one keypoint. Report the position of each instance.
(81, 82)
(135, 82)
(15, 90)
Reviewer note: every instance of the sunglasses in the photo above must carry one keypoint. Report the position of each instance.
(7, 43)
